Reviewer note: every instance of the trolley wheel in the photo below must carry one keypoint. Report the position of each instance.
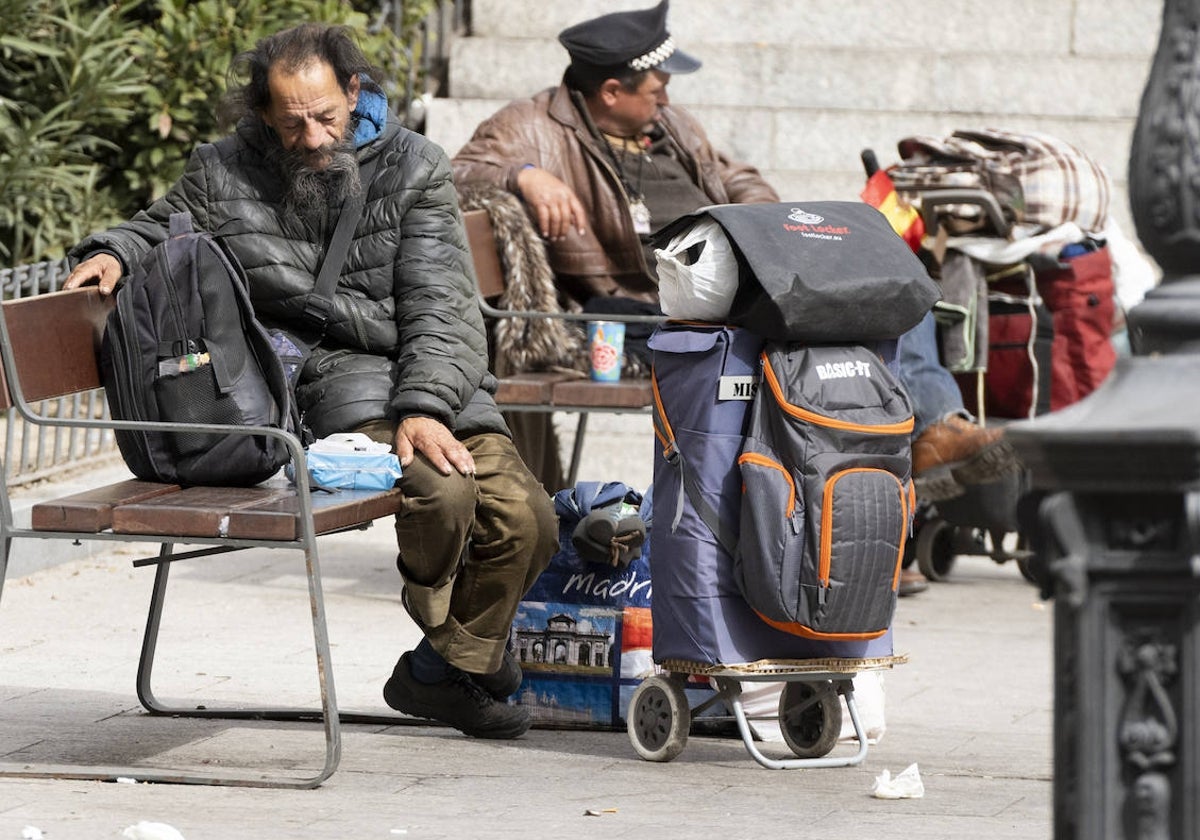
(658, 719)
(811, 725)
(936, 548)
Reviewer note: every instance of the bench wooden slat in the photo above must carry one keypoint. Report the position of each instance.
(331, 512)
(91, 511)
(584, 393)
(266, 512)
(489, 273)
(534, 388)
(192, 512)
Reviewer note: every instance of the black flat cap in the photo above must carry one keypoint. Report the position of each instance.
(637, 39)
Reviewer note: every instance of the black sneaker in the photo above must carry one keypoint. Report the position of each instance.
(456, 701)
(504, 682)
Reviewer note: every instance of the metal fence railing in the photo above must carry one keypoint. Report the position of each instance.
(33, 453)
(428, 54)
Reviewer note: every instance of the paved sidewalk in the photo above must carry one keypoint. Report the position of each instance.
(972, 707)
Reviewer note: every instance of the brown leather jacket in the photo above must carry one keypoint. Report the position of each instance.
(548, 131)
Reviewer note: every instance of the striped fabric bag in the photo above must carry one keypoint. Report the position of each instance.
(1061, 183)
(1038, 180)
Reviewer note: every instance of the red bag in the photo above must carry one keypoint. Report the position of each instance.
(1080, 294)
(1047, 356)
(1017, 384)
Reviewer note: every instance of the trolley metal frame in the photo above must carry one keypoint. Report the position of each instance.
(659, 715)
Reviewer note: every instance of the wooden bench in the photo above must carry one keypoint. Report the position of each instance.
(41, 364)
(549, 391)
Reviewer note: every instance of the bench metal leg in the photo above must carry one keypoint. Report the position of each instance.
(5, 548)
(327, 714)
(6, 522)
(577, 449)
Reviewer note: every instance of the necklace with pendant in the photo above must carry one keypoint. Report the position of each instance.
(638, 211)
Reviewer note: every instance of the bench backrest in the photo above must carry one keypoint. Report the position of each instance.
(489, 273)
(54, 340)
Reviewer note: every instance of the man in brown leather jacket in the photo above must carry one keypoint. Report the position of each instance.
(604, 160)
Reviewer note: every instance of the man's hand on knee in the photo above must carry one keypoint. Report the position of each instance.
(433, 440)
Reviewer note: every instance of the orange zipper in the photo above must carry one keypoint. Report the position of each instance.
(826, 556)
(904, 427)
(669, 439)
(759, 460)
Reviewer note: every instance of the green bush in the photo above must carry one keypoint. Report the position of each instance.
(101, 103)
(67, 79)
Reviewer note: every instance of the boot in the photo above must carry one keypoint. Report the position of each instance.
(954, 453)
(911, 582)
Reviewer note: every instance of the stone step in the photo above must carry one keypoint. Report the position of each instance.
(891, 80)
(1063, 27)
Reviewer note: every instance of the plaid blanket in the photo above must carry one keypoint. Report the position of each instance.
(1038, 179)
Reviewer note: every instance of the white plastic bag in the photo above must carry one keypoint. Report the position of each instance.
(697, 273)
(350, 461)
(760, 701)
(868, 697)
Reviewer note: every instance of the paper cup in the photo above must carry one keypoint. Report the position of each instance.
(606, 343)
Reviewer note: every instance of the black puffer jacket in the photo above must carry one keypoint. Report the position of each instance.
(406, 293)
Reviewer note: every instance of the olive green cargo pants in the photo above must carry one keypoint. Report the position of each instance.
(471, 547)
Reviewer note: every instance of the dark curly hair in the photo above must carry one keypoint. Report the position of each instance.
(291, 50)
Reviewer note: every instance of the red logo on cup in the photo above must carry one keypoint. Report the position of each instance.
(604, 357)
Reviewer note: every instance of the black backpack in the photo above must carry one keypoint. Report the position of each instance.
(827, 496)
(182, 345)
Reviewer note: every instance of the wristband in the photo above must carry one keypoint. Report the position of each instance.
(516, 188)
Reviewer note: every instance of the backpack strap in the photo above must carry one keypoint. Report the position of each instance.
(316, 308)
(179, 224)
(688, 487)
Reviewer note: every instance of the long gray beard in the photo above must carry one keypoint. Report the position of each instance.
(310, 194)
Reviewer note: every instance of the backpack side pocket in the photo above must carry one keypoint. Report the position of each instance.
(769, 562)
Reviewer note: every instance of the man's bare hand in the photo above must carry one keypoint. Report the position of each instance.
(103, 269)
(435, 442)
(557, 207)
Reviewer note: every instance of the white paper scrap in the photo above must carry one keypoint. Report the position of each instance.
(906, 785)
(151, 831)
